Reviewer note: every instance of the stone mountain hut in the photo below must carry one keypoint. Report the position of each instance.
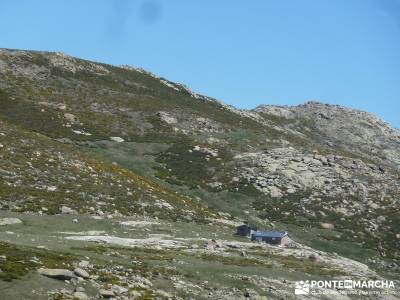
(271, 237)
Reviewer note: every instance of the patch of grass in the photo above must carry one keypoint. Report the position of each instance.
(234, 260)
(99, 249)
(154, 254)
(303, 265)
(185, 166)
(307, 266)
(17, 261)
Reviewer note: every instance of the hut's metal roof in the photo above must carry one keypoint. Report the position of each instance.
(270, 234)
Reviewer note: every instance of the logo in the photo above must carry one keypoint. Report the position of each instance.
(302, 287)
(343, 287)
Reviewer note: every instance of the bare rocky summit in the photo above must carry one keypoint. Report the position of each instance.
(351, 130)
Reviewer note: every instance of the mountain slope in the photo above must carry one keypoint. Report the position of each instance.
(120, 142)
(39, 174)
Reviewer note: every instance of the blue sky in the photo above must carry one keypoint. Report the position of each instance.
(244, 53)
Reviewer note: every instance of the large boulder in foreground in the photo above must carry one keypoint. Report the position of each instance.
(9, 221)
(62, 274)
